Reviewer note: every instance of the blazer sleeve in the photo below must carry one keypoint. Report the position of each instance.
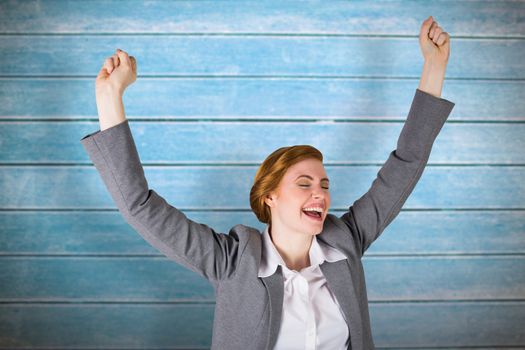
(195, 246)
(369, 215)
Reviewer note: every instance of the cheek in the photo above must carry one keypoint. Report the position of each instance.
(293, 202)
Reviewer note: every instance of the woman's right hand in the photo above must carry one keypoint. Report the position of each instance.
(118, 72)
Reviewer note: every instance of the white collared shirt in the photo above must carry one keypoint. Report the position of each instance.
(311, 318)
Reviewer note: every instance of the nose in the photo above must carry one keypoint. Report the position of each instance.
(318, 192)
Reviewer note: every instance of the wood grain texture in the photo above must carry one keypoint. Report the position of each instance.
(117, 279)
(466, 18)
(295, 99)
(413, 232)
(349, 143)
(189, 187)
(369, 57)
(447, 273)
(185, 326)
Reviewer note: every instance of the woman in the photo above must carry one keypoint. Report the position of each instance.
(301, 284)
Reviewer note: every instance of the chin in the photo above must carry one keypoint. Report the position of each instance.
(321, 227)
(315, 229)
(312, 227)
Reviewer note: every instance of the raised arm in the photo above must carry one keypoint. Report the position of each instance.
(118, 72)
(196, 246)
(372, 213)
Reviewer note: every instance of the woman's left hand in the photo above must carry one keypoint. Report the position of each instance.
(434, 42)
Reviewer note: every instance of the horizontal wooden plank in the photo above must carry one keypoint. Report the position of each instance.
(256, 98)
(448, 324)
(100, 279)
(104, 326)
(260, 56)
(189, 187)
(211, 142)
(160, 279)
(472, 18)
(402, 325)
(412, 232)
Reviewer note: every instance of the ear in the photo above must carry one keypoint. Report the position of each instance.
(269, 200)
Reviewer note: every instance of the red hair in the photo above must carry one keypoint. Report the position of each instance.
(271, 172)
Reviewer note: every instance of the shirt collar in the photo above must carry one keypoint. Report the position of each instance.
(319, 252)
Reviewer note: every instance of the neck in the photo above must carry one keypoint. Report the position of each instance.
(294, 247)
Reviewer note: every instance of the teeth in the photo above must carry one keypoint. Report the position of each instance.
(317, 209)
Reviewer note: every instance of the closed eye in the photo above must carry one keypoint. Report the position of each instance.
(326, 188)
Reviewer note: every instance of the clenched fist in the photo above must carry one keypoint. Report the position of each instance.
(118, 72)
(434, 42)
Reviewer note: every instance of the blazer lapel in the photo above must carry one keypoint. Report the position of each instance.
(275, 287)
(339, 281)
(338, 278)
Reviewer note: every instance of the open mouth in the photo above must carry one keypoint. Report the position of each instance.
(315, 214)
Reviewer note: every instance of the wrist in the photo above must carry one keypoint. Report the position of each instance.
(432, 77)
(435, 65)
(110, 109)
(108, 92)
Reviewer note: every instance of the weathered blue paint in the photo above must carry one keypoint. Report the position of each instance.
(140, 279)
(337, 75)
(189, 187)
(182, 326)
(296, 99)
(342, 143)
(279, 56)
(420, 231)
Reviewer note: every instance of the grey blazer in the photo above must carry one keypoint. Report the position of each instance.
(248, 308)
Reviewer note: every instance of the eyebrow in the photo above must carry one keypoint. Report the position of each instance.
(311, 178)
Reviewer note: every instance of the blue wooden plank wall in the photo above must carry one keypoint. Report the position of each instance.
(220, 86)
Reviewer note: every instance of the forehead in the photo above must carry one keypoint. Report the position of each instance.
(312, 167)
